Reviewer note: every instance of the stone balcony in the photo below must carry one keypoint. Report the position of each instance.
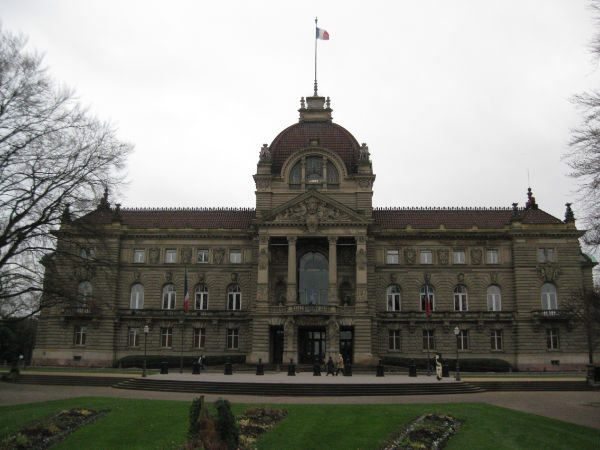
(125, 313)
(298, 309)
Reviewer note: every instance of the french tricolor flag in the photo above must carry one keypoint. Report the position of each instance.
(322, 34)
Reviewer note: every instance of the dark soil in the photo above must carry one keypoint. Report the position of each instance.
(55, 428)
(431, 431)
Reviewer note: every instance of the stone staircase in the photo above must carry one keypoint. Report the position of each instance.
(69, 380)
(297, 389)
(541, 385)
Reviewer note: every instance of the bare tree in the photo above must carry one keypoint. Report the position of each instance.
(55, 161)
(583, 310)
(584, 154)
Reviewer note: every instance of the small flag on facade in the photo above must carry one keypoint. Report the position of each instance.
(186, 303)
(322, 34)
(427, 298)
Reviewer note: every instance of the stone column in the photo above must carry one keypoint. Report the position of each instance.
(333, 294)
(292, 287)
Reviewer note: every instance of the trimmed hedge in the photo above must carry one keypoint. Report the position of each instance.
(154, 361)
(466, 364)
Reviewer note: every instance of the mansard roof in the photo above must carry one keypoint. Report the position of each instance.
(458, 218)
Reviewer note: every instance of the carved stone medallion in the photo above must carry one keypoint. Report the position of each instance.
(410, 255)
(154, 255)
(476, 256)
(219, 255)
(443, 257)
(548, 271)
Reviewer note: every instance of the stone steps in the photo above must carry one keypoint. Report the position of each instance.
(531, 385)
(69, 380)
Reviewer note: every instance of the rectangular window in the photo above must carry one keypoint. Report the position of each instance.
(80, 335)
(496, 340)
(235, 256)
(139, 256)
(462, 340)
(426, 257)
(87, 253)
(171, 256)
(233, 337)
(552, 338)
(458, 257)
(428, 340)
(394, 339)
(166, 337)
(199, 337)
(203, 256)
(491, 257)
(392, 257)
(546, 254)
(134, 337)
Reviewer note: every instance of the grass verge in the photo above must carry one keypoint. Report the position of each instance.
(147, 424)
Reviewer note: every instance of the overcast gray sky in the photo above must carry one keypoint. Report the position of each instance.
(457, 99)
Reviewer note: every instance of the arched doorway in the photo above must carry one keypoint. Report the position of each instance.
(313, 276)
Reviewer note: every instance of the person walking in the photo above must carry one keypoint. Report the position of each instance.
(340, 364)
(330, 366)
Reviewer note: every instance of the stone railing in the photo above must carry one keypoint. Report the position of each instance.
(178, 313)
(309, 309)
(550, 314)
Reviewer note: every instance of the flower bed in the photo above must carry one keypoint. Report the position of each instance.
(256, 421)
(430, 431)
(55, 428)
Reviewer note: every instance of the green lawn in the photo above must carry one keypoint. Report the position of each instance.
(147, 424)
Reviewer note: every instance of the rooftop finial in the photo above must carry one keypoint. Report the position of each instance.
(531, 204)
(104, 203)
(569, 216)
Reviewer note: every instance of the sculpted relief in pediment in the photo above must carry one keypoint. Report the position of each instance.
(312, 211)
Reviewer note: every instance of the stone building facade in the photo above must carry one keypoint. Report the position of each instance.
(314, 270)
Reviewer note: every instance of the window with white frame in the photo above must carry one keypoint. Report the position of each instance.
(235, 256)
(134, 337)
(394, 340)
(79, 335)
(201, 297)
(166, 337)
(84, 296)
(137, 296)
(87, 253)
(462, 340)
(203, 255)
(491, 256)
(170, 256)
(199, 337)
(494, 298)
(234, 297)
(460, 298)
(139, 256)
(497, 340)
(546, 255)
(426, 257)
(428, 340)
(233, 336)
(393, 298)
(549, 300)
(392, 257)
(459, 257)
(552, 338)
(169, 297)
(427, 296)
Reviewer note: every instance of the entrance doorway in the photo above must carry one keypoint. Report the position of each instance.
(276, 341)
(311, 345)
(347, 343)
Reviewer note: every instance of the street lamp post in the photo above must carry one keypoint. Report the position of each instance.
(457, 333)
(146, 330)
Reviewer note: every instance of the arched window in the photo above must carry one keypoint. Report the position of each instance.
(314, 171)
(393, 298)
(313, 279)
(169, 297)
(549, 301)
(137, 296)
(460, 298)
(84, 296)
(201, 297)
(494, 298)
(427, 295)
(234, 297)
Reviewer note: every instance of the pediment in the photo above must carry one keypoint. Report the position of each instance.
(314, 209)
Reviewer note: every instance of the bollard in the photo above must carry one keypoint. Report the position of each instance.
(316, 369)
(348, 369)
(228, 368)
(380, 369)
(412, 369)
(445, 370)
(260, 370)
(196, 368)
(292, 368)
(164, 367)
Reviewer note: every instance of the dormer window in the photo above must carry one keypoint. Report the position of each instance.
(314, 172)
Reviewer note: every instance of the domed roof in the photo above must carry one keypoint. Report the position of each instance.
(315, 129)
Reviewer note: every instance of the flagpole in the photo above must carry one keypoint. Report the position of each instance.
(316, 56)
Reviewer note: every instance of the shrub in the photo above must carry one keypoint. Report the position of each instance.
(227, 427)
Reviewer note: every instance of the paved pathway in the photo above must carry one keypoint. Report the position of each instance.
(582, 408)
